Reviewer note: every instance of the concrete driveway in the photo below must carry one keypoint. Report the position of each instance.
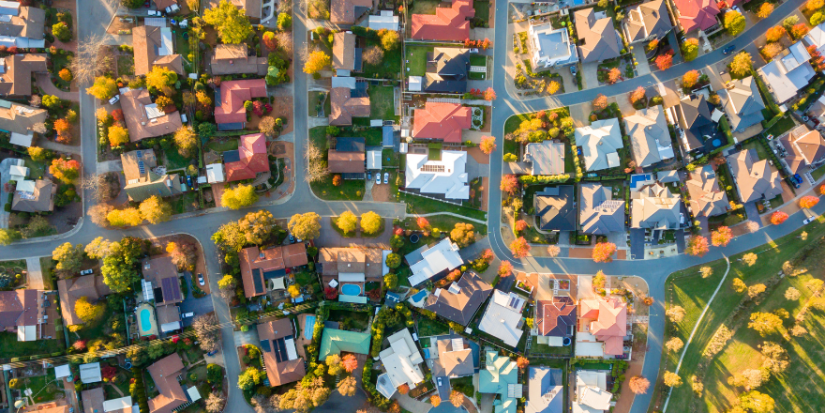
(637, 243)
(5, 166)
(590, 75)
(191, 304)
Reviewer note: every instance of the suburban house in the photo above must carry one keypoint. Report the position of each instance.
(707, 199)
(655, 207)
(555, 208)
(93, 402)
(602, 327)
(348, 158)
(264, 270)
(650, 141)
(697, 15)
(805, 148)
(252, 8)
(347, 102)
(154, 46)
(441, 121)
(461, 300)
(742, 103)
(234, 59)
(34, 196)
(647, 21)
(599, 40)
(697, 123)
(448, 24)
(141, 179)
(356, 266)
(91, 287)
(22, 26)
(386, 20)
(816, 37)
(401, 360)
(29, 313)
(249, 160)
(230, 97)
(446, 178)
(161, 281)
(599, 143)
(145, 119)
(335, 341)
(545, 392)
(546, 157)
(555, 321)
(168, 318)
(163, 4)
(16, 72)
(591, 395)
(599, 213)
(22, 122)
(165, 373)
(447, 72)
(429, 262)
(550, 47)
(347, 11)
(788, 73)
(346, 57)
(755, 179)
(500, 376)
(280, 356)
(455, 357)
(503, 319)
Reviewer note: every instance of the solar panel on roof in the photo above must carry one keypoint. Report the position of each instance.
(265, 346)
(280, 350)
(141, 167)
(171, 289)
(259, 285)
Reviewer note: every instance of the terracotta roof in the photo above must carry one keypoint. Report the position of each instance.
(41, 200)
(442, 121)
(609, 323)
(804, 146)
(255, 263)
(16, 80)
(230, 59)
(346, 162)
(447, 24)
(333, 261)
(18, 308)
(90, 286)
(697, 14)
(147, 41)
(134, 103)
(706, 197)
(343, 11)
(460, 307)
(755, 179)
(233, 94)
(92, 400)
(554, 317)
(343, 51)
(21, 119)
(598, 37)
(284, 371)
(252, 158)
(164, 373)
(344, 107)
(29, 23)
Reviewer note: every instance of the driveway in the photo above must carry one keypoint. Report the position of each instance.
(444, 389)
(590, 75)
(680, 241)
(191, 304)
(753, 212)
(637, 244)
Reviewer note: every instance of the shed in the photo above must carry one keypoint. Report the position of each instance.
(374, 160)
(90, 373)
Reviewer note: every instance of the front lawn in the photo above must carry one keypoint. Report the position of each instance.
(125, 65)
(382, 103)
(445, 223)
(417, 57)
(424, 7)
(754, 144)
(349, 190)
(421, 205)
(427, 327)
(317, 104)
(185, 202)
(483, 10)
(464, 385)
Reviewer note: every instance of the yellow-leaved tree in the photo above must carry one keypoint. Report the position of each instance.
(316, 61)
(231, 23)
(239, 197)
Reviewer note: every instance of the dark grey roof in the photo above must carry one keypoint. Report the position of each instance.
(350, 144)
(695, 120)
(460, 307)
(556, 208)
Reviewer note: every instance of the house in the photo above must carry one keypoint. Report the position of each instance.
(29, 313)
(22, 122)
(599, 143)
(591, 395)
(503, 319)
(141, 179)
(259, 268)
(604, 319)
(647, 21)
(16, 72)
(598, 36)
(545, 157)
(555, 208)
(402, 361)
(145, 119)
(346, 57)
(249, 160)
(428, 262)
(335, 341)
(165, 373)
(280, 355)
(447, 72)
(386, 21)
(550, 47)
(697, 15)
(119, 405)
(655, 207)
(347, 11)
(348, 102)
(154, 46)
(70, 290)
(696, 123)
(788, 73)
(22, 26)
(650, 141)
(230, 97)
(448, 24)
(161, 281)
(461, 300)
(707, 199)
(555, 321)
(755, 179)
(34, 196)
(816, 37)
(252, 8)
(545, 392)
(348, 158)
(599, 213)
(742, 104)
(234, 59)
(163, 4)
(500, 376)
(447, 178)
(441, 121)
(357, 266)
(168, 318)
(805, 148)
(455, 358)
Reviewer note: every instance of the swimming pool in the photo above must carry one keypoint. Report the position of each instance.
(146, 320)
(640, 178)
(351, 289)
(309, 327)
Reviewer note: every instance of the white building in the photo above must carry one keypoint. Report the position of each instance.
(503, 317)
(384, 21)
(786, 75)
(600, 142)
(446, 178)
(402, 362)
(816, 37)
(427, 262)
(591, 392)
(550, 47)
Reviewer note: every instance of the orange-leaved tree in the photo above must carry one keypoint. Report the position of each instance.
(488, 144)
(603, 252)
(690, 78)
(721, 237)
(509, 184)
(778, 217)
(664, 61)
(505, 269)
(808, 201)
(774, 34)
(520, 247)
(697, 246)
(489, 94)
(521, 225)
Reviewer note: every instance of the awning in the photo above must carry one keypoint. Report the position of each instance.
(62, 372)
(352, 277)
(20, 139)
(27, 333)
(173, 326)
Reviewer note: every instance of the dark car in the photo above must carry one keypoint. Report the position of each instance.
(201, 281)
(729, 49)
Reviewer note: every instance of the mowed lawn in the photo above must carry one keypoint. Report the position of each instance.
(689, 290)
(417, 58)
(382, 102)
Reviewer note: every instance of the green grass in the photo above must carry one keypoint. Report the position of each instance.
(392, 155)
(754, 144)
(125, 65)
(434, 154)
(222, 145)
(417, 56)
(355, 319)
(818, 172)
(783, 125)
(13, 348)
(318, 137)
(349, 190)
(420, 205)
(478, 60)
(314, 103)
(537, 348)
(174, 160)
(464, 385)
(483, 10)
(37, 170)
(183, 203)
(304, 278)
(387, 68)
(373, 136)
(424, 7)
(427, 327)
(44, 388)
(382, 102)
(445, 223)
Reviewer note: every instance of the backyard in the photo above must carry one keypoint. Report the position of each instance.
(389, 65)
(427, 327)
(13, 348)
(382, 102)
(536, 348)
(356, 320)
(417, 57)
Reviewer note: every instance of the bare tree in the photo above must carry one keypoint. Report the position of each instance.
(316, 167)
(94, 184)
(285, 6)
(285, 41)
(87, 61)
(209, 334)
(214, 404)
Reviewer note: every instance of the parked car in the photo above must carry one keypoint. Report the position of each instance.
(291, 239)
(87, 272)
(201, 281)
(386, 177)
(114, 100)
(439, 381)
(378, 178)
(172, 9)
(808, 220)
(369, 175)
(573, 70)
(729, 49)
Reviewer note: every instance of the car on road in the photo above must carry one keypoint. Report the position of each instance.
(729, 49)
(809, 220)
(386, 177)
(201, 281)
(87, 272)
(378, 178)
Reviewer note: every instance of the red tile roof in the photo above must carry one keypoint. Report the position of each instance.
(447, 24)
(253, 158)
(164, 373)
(609, 322)
(555, 313)
(442, 121)
(233, 95)
(697, 14)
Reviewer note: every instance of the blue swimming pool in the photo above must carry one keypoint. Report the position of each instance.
(145, 320)
(351, 289)
(309, 327)
(639, 178)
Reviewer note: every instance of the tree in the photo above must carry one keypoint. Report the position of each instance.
(697, 246)
(739, 286)
(675, 314)
(792, 294)
(614, 75)
(721, 237)
(61, 126)
(690, 78)
(778, 217)
(390, 40)
(599, 280)
(62, 32)
(520, 248)
(155, 210)
(316, 62)
(37, 154)
(749, 258)
(269, 40)
(755, 290)
(239, 197)
(88, 312)
(208, 331)
(284, 21)
(488, 144)
(672, 379)
(637, 95)
(7, 236)
(817, 18)
(305, 226)
(757, 402)
(775, 357)
(347, 386)
(227, 286)
(371, 223)
(423, 223)
(808, 201)
(463, 234)
(349, 362)
(774, 34)
(814, 5)
(741, 64)
(374, 55)
(69, 257)
(65, 170)
(187, 141)
(505, 269)
(393, 260)
(346, 222)
(124, 217)
(103, 88)
(489, 94)
(599, 103)
(603, 252)
(639, 385)
(456, 398)
(391, 281)
(98, 248)
(765, 10)
(214, 403)
(520, 225)
(765, 323)
(231, 23)
(435, 400)
(690, 49)
(706, 271)
(250, 378)
(509, 184)
(118, 135)
(162, 79)
(734, 22)
(674, 344)
(258, 226)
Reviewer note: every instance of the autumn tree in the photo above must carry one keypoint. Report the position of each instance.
(674, 344)
(765, 10)
(690, 78)
(98, 248)
(347, 386)
(65, 170)
(488, 144)
(305, 226)
(509, 184)
(505, 269)
(162, 79)
(69, 257)
(489, 94)
(239, 197)
(520, 225)
(124, 217)
(690, 49)
(697, 246)
(639, 385)
(230, 22)
(778, 217)
(373, 55)
(553, 251)
(522, 362)
(520, 248)
(757, 402)
(435, 400)
(316, 62)
(675, 314)
(741, 64)
(214, 403)
(463, 234)
(614, 75)
(637, 95)
(798, 331)
(349, 362)
(603, 252)
(371, 223)
(755, 290)
(155, 210)
(423, 223)
(814, 5)
(775, 357)
(346, 222)
(227, 286)
(808, 201)
(672, 379)
(774, 34)
(765, 323)
(456, 398)
(187, 141)
(739, 286)
(770, 50)
(721, 237)
(664, 61)
(706, 271)
(599, 103)
(89, 312)
(749, 258)
(257, 226)
(104, 88)
(390, 40)
(118, 135)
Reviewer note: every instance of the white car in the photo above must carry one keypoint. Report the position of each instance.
(439, 381)
(386, 177)
(809, 220)
(378, 178)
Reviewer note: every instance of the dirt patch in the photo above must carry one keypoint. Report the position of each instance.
(381, 193)
(282, 107)
(479, 156)
(116, 26)
(581, 253)
(211, 157)
(200, 262)
(217, 192)
(488, 116)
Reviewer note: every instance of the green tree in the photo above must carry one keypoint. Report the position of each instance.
(251, 377)
(207, 130)
(305, 226)
(103, 88)
(187, 141)
(258, 226)
(231, 23)
(69, 257)
(757, 402)
(371, 223)
(88, 312)
(156, 350)
(396, 242)
(284, 21)
(391, 281)
(690, 49)
(120, 266)
(346, 222)
(393, 260)
(734, 22)
(230, 237)
(239, 197)
(7, 236)
(62, 32)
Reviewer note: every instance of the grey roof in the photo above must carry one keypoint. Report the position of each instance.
(647, 19)
(547, 157)
(786, 75)
(655, 207)
(599, 143)
(461, 306)
(742, 103)
(706, 198)
(556, 208)
(755, 179)
(545, 391)
(695, 120)
(41, 199)
(600, 41)
(599, 213)
(667, 176)
(649, 136)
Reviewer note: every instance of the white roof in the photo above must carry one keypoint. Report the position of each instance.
(354, 277)
(62, 371)
(214, 173)
(599, 142)
(25, 186)
(415, 84)
(383, 21)
(278, 283)
(401, 360)
(443, 256)
(591, 391)
(502, 317)
(194, 394)
(385, 269)
(152, 111)
(343, 81)
(17, 170)
(117, 404)
(333, 283)
(385, 386)
(155, 21)
(787, 75)
(373, 159)
(27, 333)
(90, 373)
(21, 139)
(173, 326)
(447, 177)
(816, 37)
(291, 354)
(166, 46)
